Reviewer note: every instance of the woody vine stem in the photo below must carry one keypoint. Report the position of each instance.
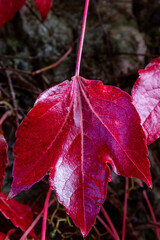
(80, 48)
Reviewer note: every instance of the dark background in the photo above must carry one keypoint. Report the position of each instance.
(121, 38)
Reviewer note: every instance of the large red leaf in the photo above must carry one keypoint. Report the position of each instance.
(19, 214)
(8, 8)
(3, 157)
(43, 6)
(146, 99)
(75, 129)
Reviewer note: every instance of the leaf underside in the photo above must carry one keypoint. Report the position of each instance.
(146, 99)
(74, 130)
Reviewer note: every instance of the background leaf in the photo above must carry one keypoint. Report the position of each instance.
(146, 99)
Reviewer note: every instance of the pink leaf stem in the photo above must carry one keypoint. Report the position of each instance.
(82, 38)
(110, 222)
(125, 209)
(11, 231)
(150, 209)
(3, 118)
(35, 221)
(107, 227)
(43, 236)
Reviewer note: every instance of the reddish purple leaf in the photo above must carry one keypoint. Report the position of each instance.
(75, 129)
(8, 8)
(146, 99)
(3, 157)
(43, 7)
(19, 214)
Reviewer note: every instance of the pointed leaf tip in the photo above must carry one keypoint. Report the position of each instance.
(43, 6)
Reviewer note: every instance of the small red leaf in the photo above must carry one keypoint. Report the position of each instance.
(43, 6)
(146, 99)
(19, 214)
(3, 157)
(8, 8)
(75, 129)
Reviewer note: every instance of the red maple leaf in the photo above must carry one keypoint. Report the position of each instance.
(74, 130)
(19, 214)
(8, 8)
(3, 157)
(146, 99)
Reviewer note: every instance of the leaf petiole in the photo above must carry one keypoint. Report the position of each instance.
(80, 48)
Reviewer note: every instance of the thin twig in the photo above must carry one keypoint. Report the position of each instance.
(13, 97)
(110, 222)
(35, 221)
(39, 70)
(150, 209)
(54, 64)
(125, 209)
(136, 54)
(106, 227)
(3, 118)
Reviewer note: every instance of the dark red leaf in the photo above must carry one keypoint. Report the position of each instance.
(43, 6)
(8, 8)
(146, 99)
(2, 236)
(75, 129)
(19, 214)
(3, 157)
